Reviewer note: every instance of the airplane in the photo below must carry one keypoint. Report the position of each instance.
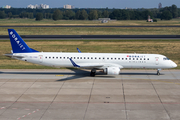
(109, 63)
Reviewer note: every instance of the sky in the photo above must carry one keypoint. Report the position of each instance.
(92, 3)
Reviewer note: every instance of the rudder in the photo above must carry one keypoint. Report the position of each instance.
(17, 43)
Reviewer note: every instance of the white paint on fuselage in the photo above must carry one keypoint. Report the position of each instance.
(126, 60)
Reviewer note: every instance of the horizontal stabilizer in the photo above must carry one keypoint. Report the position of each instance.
(14, 56)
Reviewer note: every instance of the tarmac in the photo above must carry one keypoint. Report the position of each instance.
(63, 94)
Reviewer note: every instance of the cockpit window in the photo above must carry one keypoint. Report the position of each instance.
(165, 58)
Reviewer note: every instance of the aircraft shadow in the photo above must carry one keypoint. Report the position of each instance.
(140, 74)
(76, 74)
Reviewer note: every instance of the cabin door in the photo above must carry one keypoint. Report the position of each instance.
(157, 60)
(40, 58)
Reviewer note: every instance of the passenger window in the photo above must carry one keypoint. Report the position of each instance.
(99, 58)
(144, 58)
(95, 57)
(103, 58)
(136, 58)
(77, 57)
(49, 57)
(91, 57)
(140, 58)
(126, 58)
(115, 58)
(46, 57)
(129, 58)
(56, 57)
(148, 59)
(80, 57)
(88, 58)
(60, 57)
(122, 58)
(118, 58)
(74, 57)
(84, 57)
(111, 58)
(133, 58)
(108, 58)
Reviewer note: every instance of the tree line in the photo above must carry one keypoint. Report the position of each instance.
(165, 13)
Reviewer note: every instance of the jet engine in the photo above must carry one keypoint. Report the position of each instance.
(112, 71)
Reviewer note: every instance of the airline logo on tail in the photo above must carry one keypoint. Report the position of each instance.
(17, 41)
(18, 44)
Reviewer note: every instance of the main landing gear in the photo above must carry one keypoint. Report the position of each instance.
(93, 72)
(158, 73)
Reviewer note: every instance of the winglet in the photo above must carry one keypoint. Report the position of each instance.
(18, 44)
(74, 64)
(78, 50)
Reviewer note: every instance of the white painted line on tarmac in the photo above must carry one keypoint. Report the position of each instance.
(2, 108)
(27, 114)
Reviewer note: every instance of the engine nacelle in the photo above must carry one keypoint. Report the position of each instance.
(112, 71)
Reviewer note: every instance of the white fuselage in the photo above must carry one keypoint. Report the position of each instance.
(126, 60)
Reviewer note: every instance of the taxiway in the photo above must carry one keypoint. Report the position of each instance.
(58, 94)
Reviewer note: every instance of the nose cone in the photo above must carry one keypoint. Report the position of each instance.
(173, 64)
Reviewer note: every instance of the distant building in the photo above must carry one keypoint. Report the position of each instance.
(7, 6)
(41, 6)
(159, 5)
(68, 7)
(31, 6)
(128, 8)
(44, 6)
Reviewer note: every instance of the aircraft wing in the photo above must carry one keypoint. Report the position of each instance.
(95, 65)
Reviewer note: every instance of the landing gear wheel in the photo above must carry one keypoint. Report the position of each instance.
(93, 73)
(158, 73)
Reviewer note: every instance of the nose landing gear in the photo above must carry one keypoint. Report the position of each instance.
(158, 73)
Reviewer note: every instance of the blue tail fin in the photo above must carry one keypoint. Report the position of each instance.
(18, 44)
